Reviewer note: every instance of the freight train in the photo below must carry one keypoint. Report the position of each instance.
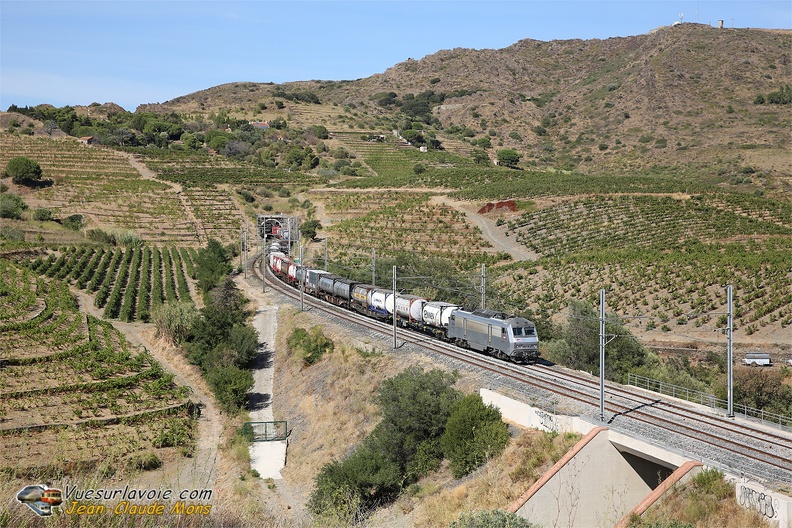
(495, 333)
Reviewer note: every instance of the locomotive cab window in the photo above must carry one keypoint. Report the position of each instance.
(523, 331)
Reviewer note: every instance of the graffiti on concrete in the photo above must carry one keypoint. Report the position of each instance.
(547, 420)
(761, 502)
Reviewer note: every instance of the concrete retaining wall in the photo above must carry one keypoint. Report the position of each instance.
(534, 417)
(774, 506)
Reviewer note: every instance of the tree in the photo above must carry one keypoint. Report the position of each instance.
(415, 407)
(508, 157)
(413, 136)
(474, 432)
(309, 228)
(419, 168)
(23, 170)
(191, 141)
(762, 388)
(50, 126)
(581, 339)
(74, 222)
(211, 265)
(480, 157)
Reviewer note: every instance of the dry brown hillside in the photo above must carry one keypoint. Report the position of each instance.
(681, 95)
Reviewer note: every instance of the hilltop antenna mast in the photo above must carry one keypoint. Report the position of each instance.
(681, 16)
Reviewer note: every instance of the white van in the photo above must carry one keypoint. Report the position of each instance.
(755, 359)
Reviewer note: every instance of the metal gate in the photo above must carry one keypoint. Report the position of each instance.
(265, 431)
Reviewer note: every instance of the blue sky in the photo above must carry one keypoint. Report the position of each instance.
(133, 52)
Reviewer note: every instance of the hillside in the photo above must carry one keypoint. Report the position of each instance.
(679, 96)
(647, 169)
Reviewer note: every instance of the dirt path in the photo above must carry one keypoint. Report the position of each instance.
(489, 229)
(285, 499)
(149, 174)
(201, 470)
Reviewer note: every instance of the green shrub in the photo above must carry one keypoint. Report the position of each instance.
(101, 236)
(11, 206)
(73, 222)
(145, 461)
(230, 386)
(129, 239)
(311, 345)
(348, 490)
(249, 198)
(174, 321)
(12, 233)
(474, 433)
(491, 519)
(42, 214)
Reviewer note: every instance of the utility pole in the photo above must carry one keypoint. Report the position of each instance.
(246, 246)
(263, 266)
(325, 254)
(729, 358)
(602, 355)
(373, 267)
(241, 244)
(290, 239)
(483, 286)
(302, 281)
(394, 307)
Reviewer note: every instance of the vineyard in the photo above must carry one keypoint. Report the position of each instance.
(393, 223)
(668, 259)
(393, 162)
(657, 222)
(217, 213)
(681, 294)
(127, 283)
(72, 390)
(101, 185)
(194, 169)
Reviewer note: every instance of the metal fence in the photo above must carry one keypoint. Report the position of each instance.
(265, 431)
(702, 398)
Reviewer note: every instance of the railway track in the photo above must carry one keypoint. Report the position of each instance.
(740, 447)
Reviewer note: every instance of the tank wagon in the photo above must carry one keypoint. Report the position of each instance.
(496, 333)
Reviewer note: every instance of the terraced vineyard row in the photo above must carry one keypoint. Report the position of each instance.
(217, 212)
(72, 390)
(407, 223)
(303, 115)
(128, 283)
(204, 170)
(647, 221)
(101, 185)
(385, 158)
(677, 291)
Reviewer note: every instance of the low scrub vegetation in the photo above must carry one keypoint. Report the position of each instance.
(424, 419)
(707, 501)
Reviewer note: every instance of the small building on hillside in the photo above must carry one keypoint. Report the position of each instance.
(87, 140)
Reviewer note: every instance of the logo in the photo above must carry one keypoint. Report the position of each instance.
(40, 498)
